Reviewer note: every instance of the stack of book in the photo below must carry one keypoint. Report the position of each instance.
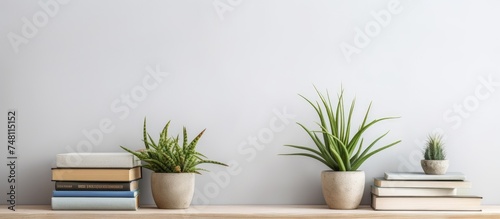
(419, 191)
(96, 181)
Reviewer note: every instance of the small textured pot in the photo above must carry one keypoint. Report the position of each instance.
(343, 189)
(435, 167)
(172, 190)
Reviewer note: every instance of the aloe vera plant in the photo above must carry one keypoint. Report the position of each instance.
(167, 156)
(337, 146)
(434, 149)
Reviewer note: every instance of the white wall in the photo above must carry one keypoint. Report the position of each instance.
(234, 70)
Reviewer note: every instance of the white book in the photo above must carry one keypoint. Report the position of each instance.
(94, 203)
(422, 183)
(422, 176)
(387, 191)
(443, 203)
(97, 160)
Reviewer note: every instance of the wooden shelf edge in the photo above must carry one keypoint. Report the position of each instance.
(243, 211)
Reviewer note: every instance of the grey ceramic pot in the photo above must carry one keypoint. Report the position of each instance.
(343, 189)
(172, 190)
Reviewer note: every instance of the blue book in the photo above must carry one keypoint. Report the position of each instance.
(81, 193)
(95, 203)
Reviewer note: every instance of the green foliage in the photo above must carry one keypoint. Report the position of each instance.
(337, 147)
(167, 156)
(434, 149)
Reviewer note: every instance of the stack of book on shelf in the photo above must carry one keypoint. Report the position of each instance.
(419, 191)
(96, 181)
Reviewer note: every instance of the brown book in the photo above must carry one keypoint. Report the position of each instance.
(97, 186)
(421, 184)
(97, 174)
(422, 203)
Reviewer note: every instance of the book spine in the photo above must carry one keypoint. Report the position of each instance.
(411, 203)
(125, 194)
(89, 161)
(424, 177)
(61, 185)
(422, 184)
(96, 174)
(384, 191)
(91, 203)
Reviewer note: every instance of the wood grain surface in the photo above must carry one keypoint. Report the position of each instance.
(241, 211)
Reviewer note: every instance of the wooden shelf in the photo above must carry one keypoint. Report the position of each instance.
(241, 211)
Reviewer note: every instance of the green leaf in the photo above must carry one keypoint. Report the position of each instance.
(311, 156)
(364, 158)
(339, 147)
(168, 156)
(144, 133)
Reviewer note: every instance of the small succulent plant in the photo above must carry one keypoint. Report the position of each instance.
(434, 149)
(167, 156)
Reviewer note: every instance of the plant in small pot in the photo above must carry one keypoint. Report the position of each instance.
(340, 148)
(434, 162)
(174, 167)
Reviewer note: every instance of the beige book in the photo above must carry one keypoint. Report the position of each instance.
(444, 203)
(388, 191)
(96, 174)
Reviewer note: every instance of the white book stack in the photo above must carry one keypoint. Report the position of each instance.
(420, 191)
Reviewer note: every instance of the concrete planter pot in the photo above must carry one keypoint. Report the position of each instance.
(172, 190)
(343, 190)
(435, 167)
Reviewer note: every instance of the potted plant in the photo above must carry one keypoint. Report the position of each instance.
(434, 162)
(174, 167)
(340, 149)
